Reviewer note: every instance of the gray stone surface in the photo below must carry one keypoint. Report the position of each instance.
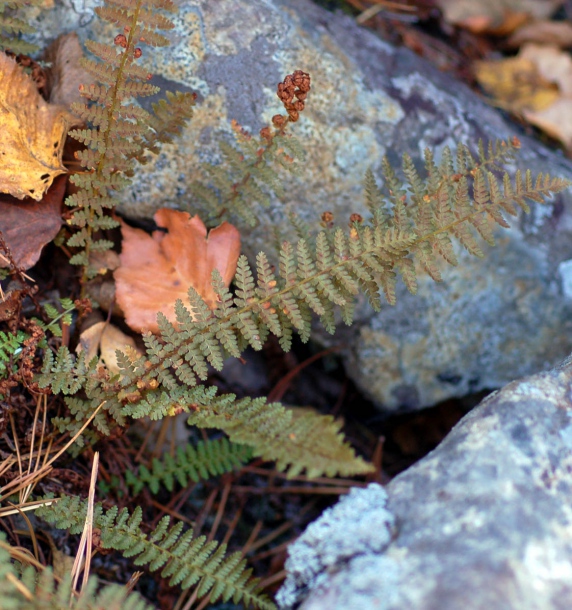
(492, 320)
(484, 521)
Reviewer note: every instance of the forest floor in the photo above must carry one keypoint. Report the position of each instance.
(479, 47)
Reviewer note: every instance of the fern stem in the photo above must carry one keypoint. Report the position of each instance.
(112, 118)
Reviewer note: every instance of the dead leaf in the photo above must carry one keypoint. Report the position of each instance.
(554, 33)
(516, 84)
(556, 120)
(65, 73)
(33, 135)
(106, 339)
(542, 92)
(553, 65)
(27, 226)
(499, 17)
(11, 300)
(159, 269)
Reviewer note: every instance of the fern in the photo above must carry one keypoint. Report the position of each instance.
(10, 346)
(121, 131)
(313, 278)
(25, 589)
(57, 319)
(206, 459)
(186, 560)
(12, 27)
(247, 173)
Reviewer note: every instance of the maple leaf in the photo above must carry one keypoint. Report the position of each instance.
(158, 269)
(33, 134)
(27, 226)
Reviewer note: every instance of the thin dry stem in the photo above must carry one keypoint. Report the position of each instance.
(86, 541)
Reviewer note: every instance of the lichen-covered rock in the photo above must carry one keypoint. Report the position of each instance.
(358, 520)
(484, 521)
(492, 320)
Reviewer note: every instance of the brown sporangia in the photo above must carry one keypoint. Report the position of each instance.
(292, 92)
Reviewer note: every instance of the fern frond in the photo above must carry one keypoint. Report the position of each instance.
(121, 132)
(12, 27)
(316, 277)
(193, 462)
(10, 346)
(26, 589)
(247, 173)
(183, 558)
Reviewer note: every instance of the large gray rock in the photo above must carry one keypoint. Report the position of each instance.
(484, 521)
(492, 320)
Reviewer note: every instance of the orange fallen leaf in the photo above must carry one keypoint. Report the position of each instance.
(33, 134)
(27, 226)
(158, 269)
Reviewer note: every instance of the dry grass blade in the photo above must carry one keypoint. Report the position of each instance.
(86, 540)
(23, 481)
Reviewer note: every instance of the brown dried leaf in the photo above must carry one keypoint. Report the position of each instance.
(556, 33)
(499, 17)
(159, 269)
(65, 73)
(27, 226)
(33, 135)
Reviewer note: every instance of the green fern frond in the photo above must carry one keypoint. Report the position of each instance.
(193, 462)
(296, 439)
(26, 589)
(183, 558)
(12, 27)
(10, 346)
(244, 177)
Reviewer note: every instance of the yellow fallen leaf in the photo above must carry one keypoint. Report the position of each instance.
(536, 84)
(32, 132)
(553, 64)
(516, 84)
(556, 120)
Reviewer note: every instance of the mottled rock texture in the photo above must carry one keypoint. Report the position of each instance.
(484, 521)
(492, 320)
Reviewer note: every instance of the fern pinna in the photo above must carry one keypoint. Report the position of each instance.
(247, 174)
(190, 463)
(121, 131)
(183, 558)
(35, 587)
(11, 26)
(410, 226)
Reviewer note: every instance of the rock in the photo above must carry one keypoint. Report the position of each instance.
(491, 320)
(484, 521)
